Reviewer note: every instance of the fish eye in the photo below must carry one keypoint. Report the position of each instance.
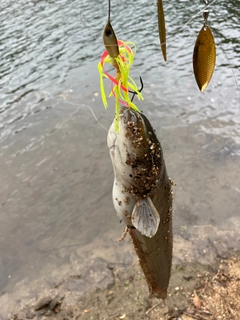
(108, 32)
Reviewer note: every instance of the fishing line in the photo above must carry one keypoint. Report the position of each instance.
(206, 6)
(238, 90)
(89, 28)
(233, 73)
(85, 105)
(168, 38)
(109, 9)
(199, 154)
(191, 19)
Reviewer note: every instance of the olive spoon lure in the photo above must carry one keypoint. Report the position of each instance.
(162, 29)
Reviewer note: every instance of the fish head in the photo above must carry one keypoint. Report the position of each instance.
(135, 153)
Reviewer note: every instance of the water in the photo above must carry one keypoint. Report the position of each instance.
(56, 175)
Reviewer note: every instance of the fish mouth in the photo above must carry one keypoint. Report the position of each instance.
(133, 132)
(134, 125)
(137, 131)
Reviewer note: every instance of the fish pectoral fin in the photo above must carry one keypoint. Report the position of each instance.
(145, 217)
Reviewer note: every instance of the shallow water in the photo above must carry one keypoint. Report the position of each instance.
(56, 175)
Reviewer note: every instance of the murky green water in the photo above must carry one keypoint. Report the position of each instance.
(56, 175)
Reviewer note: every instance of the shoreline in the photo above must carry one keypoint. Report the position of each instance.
(104, 288)
(195, 292)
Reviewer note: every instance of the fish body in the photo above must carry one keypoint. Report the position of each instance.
(204, 57)
(142, 195)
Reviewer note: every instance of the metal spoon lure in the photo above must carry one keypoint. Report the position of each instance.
(204, 54)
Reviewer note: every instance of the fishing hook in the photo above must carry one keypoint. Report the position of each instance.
(134, 92)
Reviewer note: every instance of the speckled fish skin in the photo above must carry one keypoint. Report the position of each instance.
(162, 29)
(140, 172)
(204, 57)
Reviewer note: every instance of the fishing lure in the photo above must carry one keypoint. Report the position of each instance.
(109, 38)
(162, 29)
(119, 55)
(204, 54)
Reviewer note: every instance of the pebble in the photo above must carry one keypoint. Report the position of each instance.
(42, 303)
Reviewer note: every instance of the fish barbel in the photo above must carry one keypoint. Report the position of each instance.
(142, 195)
